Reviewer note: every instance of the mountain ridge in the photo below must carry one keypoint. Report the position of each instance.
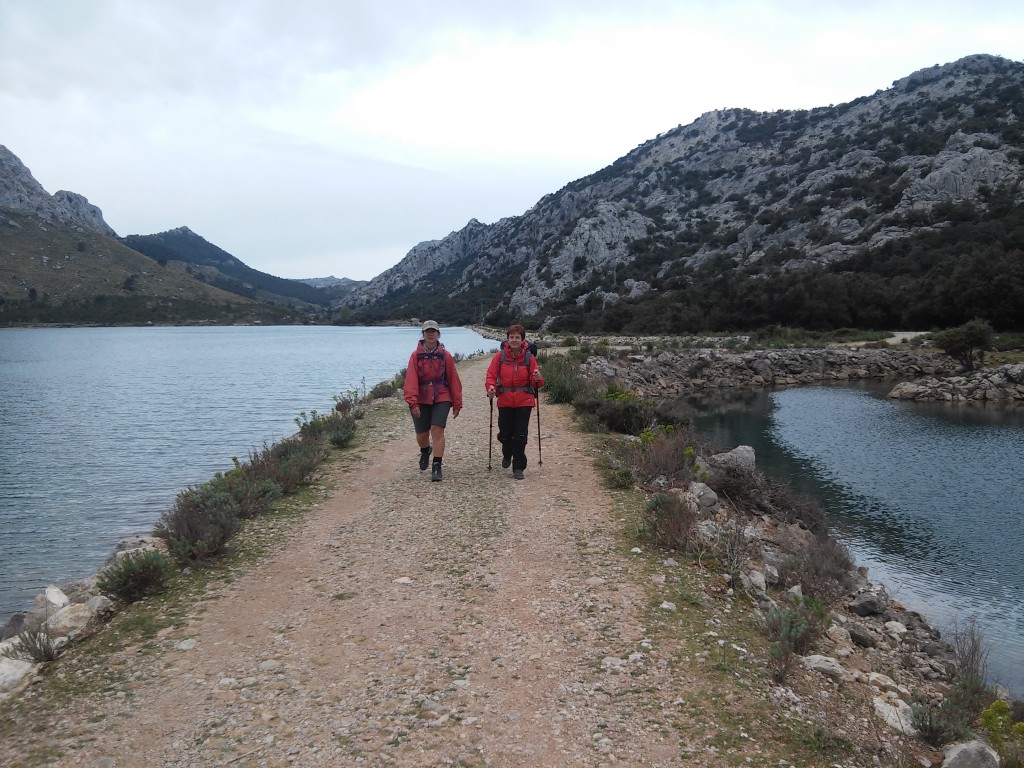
(736, 190)
(898, 209)
(19, 191)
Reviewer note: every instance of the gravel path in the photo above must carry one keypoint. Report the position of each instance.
(476, 621)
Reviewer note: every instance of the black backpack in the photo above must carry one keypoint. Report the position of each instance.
(531, 349)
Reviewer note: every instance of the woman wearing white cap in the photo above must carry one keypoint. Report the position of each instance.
(432, 389)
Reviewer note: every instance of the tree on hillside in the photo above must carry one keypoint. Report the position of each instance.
(966, 343)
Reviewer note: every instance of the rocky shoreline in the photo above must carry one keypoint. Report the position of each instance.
(1000, 386)
(684, 372)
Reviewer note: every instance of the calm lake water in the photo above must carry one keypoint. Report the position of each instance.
(102, 427)
(930, 497)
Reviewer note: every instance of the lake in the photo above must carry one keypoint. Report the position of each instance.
(102, 427)
(928, 496)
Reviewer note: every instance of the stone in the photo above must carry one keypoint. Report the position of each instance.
(15, 674)
(868, 604)
(741, 457)
(897, 716)
(861, 635)
(824, 665)
(70, 620)
(970, 754)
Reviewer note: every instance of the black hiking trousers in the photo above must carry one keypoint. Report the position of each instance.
(513, 434)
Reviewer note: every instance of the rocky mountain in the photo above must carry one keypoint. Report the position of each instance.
(216, 266)
(19, 191)
(327, 282)
(61, 263)
(848, 206)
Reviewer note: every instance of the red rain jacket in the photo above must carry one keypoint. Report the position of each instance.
(513, 379)
(431, 378)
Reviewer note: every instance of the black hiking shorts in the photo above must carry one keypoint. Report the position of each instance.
(435, 415)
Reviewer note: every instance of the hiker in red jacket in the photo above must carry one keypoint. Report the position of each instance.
(514, 377)
(432, 389)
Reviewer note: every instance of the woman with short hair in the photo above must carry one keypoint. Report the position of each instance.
(432, 390)
(514, 378)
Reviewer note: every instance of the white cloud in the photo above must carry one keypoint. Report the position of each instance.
(319, 137)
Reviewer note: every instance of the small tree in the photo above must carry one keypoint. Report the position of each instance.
(966, 343)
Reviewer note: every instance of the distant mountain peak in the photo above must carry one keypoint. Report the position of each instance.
(20, 191)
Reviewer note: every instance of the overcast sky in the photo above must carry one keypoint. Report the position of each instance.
(328, 137)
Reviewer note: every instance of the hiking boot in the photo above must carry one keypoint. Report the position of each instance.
(435, 472)
(506, 462)
(424, 457)
(518, 474)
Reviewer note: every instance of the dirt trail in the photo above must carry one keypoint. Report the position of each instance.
(476, 621)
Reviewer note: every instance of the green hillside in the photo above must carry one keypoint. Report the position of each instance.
(54, 273)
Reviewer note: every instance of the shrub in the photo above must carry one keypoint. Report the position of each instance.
(340, 438)
(562, 380)
(136, 575)
(940, 724)
(200, 524)
(1004, 734)
(288, 463)
(733, 546)
(669, 520)
(665, 452)
(970, 691)
(621, 411)
(33, 645)
(617, 475)
(755, 493)
(824, 568)
(253, 493)
(966, 343)
(387, 388)
(792, 632)
(316, 426)
(296, 461)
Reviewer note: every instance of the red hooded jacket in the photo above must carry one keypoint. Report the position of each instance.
(431, 378)
(513, 379)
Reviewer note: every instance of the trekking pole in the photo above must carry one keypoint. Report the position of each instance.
(540, 456)
(490, 435)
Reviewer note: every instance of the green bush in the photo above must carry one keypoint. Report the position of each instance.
(1005, 735)
(966, 343)
(255, 494)
(200, 524)
(340, 438)
(562, 380)
(288, 463)
(792, 632)
(940, 724)
(136, 575)
(621, 412)
(387, 388)
(617, 475)
(296, 462)
(316, 425)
